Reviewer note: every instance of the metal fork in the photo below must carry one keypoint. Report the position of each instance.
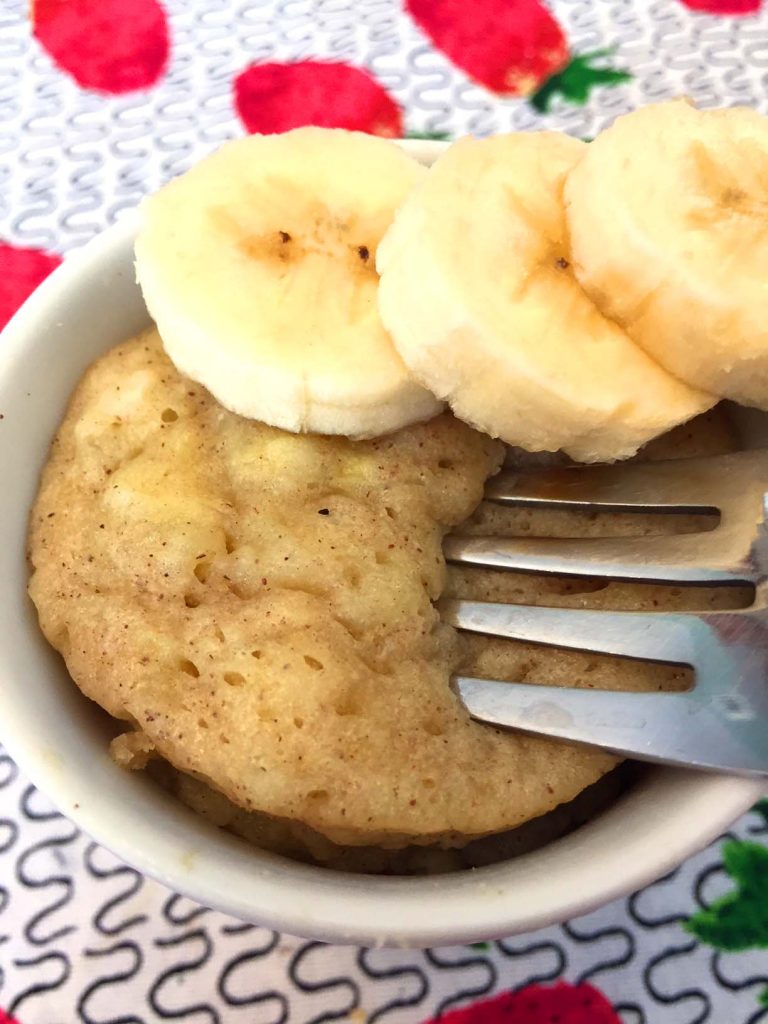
(722, 722)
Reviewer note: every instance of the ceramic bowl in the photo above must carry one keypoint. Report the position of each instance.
(60, 739)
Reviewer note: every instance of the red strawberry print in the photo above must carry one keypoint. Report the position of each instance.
(512, 47)
(509, 46)
(539, 1004)
(277, 97)
(723, 6)
(107, 45)
(5, 1018)
(21, 271)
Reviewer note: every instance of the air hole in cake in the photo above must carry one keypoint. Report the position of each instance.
(202, 571)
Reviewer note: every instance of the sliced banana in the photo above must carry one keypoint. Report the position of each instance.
(258, 266)
(668, 217)
(478, 292)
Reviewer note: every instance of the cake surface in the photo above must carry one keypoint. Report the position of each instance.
(258, 606)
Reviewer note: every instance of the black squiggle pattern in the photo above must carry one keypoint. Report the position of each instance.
(658, 921)
(680, 990)
(583, 936)
(464, 992)
(29, 797)
(208, 1012)
(511, 949)
(337, 984)
(630, 1013)
(374, 973)
(238, 929)
(431, 76)
(8, 770)
(758, 1017)
(5, 899)
(175, 913)
(58, 881)
(697, 995)
(9, 833)
(702, 880)
(134, 885)
(719, 961)
(228, 974)
(38, 987)
(109, 981)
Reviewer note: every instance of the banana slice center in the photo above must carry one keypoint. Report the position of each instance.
(728, 195)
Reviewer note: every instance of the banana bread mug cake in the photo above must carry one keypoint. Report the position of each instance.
(249, 591)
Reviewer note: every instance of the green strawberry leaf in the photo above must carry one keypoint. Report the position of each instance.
(763, 997)
(429, 136)
(577, 79)
(738, 920)
(761, 808)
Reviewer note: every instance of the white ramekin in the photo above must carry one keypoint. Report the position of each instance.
(60, 739)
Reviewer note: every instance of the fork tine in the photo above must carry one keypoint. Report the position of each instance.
(677, 728)
(681, 486)
(651, 636)
(720, 724)
(718, 557)
(596, 489)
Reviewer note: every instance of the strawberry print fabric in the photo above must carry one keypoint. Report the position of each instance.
(560, 1003)
(101, 101)
(104, 45)
(21, 271)
(511, 48)
(274, 97)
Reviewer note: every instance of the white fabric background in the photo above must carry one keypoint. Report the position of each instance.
(85, 938)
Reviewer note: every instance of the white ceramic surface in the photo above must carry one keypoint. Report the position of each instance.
(60, 739)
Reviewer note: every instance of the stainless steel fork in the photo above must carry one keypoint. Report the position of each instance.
(722, 722)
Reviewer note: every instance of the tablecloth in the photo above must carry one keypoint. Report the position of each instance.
(100, 102)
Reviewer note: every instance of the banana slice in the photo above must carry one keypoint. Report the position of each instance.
(258, 266)
(668, 217)
(479, 295)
